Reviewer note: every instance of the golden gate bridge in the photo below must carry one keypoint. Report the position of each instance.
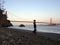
(24, 20)
(50, 22)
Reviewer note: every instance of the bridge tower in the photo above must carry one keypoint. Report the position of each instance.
(50, 21)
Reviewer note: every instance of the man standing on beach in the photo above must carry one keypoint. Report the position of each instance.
(34, 23)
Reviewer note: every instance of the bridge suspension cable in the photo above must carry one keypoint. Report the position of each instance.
(14, 15)
(23, 19)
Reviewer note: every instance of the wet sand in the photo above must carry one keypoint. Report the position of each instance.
(25, 37)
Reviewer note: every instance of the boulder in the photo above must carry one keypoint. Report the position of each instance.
(21, 25)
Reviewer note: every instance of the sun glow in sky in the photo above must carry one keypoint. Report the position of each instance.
(41, 10)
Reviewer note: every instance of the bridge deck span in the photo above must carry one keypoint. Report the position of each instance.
(29, 22)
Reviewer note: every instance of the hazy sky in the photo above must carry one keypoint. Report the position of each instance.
(41, 10)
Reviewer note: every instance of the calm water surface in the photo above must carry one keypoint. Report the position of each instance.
(48, 29)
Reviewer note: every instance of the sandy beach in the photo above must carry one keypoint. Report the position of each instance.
(24, 37)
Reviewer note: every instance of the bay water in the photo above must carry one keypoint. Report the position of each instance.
(48, 29)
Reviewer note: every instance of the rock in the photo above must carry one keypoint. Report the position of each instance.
(3, 20)
(7, 24)
(22, 25)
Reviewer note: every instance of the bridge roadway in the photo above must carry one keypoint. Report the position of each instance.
(36, 22)
(30, 22)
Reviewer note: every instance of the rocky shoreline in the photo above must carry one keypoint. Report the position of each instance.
(14, 37)
(4, 22)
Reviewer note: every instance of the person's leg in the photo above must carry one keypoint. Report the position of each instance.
(34, 30)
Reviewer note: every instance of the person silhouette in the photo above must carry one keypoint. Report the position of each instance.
(34, 23)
